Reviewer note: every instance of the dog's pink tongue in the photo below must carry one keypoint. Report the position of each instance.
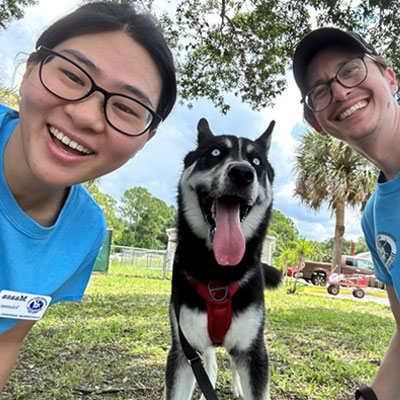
(229, 244)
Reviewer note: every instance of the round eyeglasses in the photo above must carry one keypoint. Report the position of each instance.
(351, 74)
(68, 81)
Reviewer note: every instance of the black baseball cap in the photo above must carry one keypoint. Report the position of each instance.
(320, 39)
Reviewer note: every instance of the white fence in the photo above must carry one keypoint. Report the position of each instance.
(143, 260)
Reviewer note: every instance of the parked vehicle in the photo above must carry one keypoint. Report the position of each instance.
(351, 266)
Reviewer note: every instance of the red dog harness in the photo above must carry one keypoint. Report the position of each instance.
(219, 306)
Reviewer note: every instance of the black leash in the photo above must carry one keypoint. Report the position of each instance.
(194, 359)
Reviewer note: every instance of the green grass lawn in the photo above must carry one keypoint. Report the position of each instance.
(114, 344)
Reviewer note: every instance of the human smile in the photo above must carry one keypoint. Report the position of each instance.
(358, 106)
(68, 141)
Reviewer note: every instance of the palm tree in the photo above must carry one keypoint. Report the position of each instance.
(286, 258)
(329, 171)
(303, 248)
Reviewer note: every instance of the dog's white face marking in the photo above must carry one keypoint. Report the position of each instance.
(257, 213)
(214, 181)
(244, 328)
(228, 143)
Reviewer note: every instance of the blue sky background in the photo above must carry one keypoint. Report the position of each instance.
(159, 165)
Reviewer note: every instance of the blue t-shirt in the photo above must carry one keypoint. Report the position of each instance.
(381, 226)
(54, 261)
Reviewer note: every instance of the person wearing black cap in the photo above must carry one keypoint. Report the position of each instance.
(347, 92)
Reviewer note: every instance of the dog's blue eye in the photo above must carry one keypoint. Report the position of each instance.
(216, 152)
(256, 161)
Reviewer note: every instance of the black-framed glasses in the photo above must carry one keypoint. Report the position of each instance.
(351, 74)
(68, 81)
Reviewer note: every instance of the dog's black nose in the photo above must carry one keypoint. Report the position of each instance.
(241, 174)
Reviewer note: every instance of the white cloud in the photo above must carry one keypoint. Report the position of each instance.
(353, 224)
(19, 38)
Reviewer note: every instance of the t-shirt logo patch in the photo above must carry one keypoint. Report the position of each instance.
(386, 247)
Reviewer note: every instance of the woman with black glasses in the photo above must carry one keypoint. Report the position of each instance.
(348, 92)
(94, 92)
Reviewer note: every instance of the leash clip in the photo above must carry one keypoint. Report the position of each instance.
(197, 357)
(212, 290)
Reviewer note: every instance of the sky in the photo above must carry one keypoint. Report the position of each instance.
(159, 165)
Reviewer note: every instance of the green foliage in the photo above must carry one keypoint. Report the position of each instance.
(322, 251)
(246, 46)
(286, 258)
(242, 47)
(360, 246)
(285, 231)
(140, 220)
(13, 9)
(146, 219)
(109, 205)
(329, 172)
(303, 249)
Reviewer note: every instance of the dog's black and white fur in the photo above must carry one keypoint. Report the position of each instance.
(223, 171)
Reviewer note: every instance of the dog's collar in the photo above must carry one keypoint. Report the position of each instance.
(218, 298)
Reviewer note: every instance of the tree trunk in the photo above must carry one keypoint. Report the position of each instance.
(339, 234)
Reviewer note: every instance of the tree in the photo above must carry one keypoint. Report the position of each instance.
(285, 231)
(330, 172)
(13, 9)
(322, 251)
(361, 245)
(303, 249)
(109, 206)
(246, 46)
(146, 219)
(286, 258)
(151, 231)
(134, 203)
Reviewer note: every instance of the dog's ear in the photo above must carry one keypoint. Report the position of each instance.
(265, 139)
(203, 131)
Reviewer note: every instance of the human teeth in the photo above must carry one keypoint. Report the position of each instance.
(352, 110)
(67, 141)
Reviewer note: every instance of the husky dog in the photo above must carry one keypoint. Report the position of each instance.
(224, 205)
